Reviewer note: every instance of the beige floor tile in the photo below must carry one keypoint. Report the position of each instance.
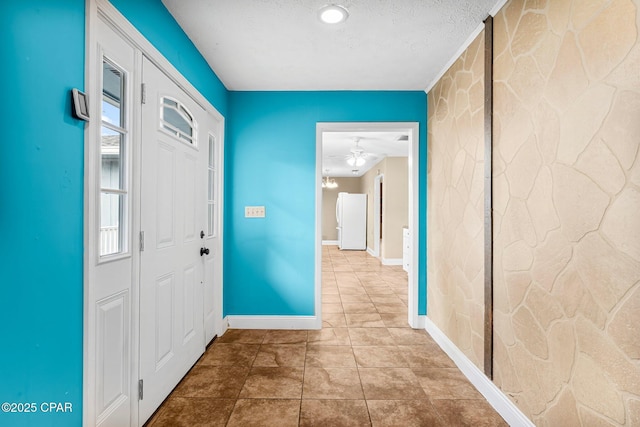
(385, 299)
(379, 290)
(352, 291)
(379, 357)
(334, 413)
(346, 276)
(358, 307)
(261, 412)
(193, 411)
(332, 299)
(333, 320)
(343, 267)
(395, 320)
(229, 354)
(349, 284)
(332, 383)
(370, 336)
(273, 383)
(426, 356)
(275, 355)
(355, 298)
(330, 356)
(405, 336)
(446, 383)
(330, 290)
(471, 413)
(364, 320)
(332, 308)
(405, 413)
(244, 336)
(285, 337)
(391, 308)
(329, 336)
(212, 381)
(390, 384)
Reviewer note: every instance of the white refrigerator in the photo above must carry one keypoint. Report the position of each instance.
(351, 214)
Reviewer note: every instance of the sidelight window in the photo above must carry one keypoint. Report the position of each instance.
(211, 189)
(113, 161)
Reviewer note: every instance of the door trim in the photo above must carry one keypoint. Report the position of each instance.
(379, 179)
(103, 10)
(414, 319)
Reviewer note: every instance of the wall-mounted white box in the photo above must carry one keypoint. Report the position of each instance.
(254, 212)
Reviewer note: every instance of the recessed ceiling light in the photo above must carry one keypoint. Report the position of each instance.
(333, 14)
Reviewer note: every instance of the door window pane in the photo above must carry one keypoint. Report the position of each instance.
(113, 162)
(177, 120)
(211, 188)
(112, 94)
(111, 207)
(111, 159)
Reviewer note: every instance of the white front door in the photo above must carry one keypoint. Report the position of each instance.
(175, 147)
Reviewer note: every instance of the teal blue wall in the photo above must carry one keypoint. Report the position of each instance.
(41, 168)
(270, 160)
(41, 200)
(269, 263)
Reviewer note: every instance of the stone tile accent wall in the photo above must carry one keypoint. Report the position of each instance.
(567, 210)
(455, 202)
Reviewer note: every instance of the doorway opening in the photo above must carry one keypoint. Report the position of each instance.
(411, 131)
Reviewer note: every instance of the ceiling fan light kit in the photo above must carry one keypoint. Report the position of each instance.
(329, 183)
(333, 14)
(356, 160)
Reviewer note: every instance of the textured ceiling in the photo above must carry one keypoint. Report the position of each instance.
(282, 45)
(336, 148)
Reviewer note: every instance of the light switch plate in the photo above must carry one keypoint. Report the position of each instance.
(254, 212)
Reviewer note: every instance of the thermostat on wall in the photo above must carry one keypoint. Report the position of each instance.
(80, 105)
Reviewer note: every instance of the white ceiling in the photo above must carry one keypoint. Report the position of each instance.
(336, 148)
(282, 45)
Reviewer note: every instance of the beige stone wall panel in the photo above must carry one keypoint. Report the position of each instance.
(622, 128)
(623, 328)
(576, 132)
(599, 163)
(608, 37)
(455, 193)
(568, 80)
(566, 202)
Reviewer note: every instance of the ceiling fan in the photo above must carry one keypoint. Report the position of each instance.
(357, 157)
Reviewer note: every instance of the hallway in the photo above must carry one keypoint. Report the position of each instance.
(365, 367)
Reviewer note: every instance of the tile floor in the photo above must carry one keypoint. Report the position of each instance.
(365, 367)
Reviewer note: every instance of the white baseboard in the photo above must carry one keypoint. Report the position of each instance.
(371, 252)
(496, 398)
(391, 261)
(422, 322)
(329, 243)
(274, 322)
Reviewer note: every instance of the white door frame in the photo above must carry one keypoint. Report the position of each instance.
(103, 10)
(376, 214)
(414, 142)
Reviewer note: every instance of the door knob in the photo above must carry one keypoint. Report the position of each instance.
(204, 251)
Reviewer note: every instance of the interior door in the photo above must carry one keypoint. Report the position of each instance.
(173, 222)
